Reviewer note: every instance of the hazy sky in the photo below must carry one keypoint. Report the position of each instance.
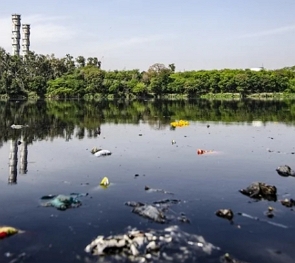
(193, 34)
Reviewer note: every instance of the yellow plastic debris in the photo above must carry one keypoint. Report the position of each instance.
(180, 123)
(105, 181)
(6, 231)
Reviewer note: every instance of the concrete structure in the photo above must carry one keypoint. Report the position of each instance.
(257, 69)
(15, 34)
(26, 39)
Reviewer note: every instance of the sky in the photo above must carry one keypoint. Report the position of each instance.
(135, 34)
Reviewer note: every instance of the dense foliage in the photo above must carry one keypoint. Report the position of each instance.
(48, 76)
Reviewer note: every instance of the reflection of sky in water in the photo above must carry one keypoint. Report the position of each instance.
(205, 182)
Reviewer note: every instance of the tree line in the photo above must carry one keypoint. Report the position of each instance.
(37, 75)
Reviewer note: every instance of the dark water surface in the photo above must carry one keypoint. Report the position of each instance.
(250, 140)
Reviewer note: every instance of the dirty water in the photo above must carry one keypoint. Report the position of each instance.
(201, 184)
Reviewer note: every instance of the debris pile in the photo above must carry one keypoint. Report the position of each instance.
(100, 152)
(6, 231)
(63, 202)
(225, 213)
(170, 244)
(260, 190)
(285, 170)
(148, 211)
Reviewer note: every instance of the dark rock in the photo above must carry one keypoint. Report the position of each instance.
(285, 170)
(134, 204)
(269, 214)
(225, 213)
(260, 190)
(288, 202)
(226, 258)
(183, 219)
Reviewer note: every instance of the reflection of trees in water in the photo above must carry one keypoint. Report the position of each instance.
(67, 119)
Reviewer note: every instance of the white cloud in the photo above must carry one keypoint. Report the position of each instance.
(50, 32)
(274, 31)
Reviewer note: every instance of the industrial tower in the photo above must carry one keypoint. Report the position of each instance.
(15, 34)
(26, 39)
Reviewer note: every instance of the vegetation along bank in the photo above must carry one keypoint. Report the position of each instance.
(41, 76)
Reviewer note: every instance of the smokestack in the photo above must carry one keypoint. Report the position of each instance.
(23, 157)
(12, 177)
(15, 34)
(26, 39)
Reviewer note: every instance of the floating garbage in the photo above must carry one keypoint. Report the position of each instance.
(180, 123)
(270, 212)
(167, 201)
(63, 202)
(168, 245)
(260, 190)
(225, 213)
(105, 182)
(285, 170)
(159, 211)
(288, 202)
(201, 151)
(183, 219)
(148, 211)
(18, 126)
(6, 231)
(100, 152)
(148, 189)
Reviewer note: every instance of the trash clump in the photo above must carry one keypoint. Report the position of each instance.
(200, 151)
(6, 231)
(148, 211)
(148, 189)
(225, 213)
(105, 182)
(258, 190)
(288, 202)
(167, 201)
(158, 211)
(168, 245)
(100, 152)
(63, 202)
(270, 212)
(285, 170)
(180, 123)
